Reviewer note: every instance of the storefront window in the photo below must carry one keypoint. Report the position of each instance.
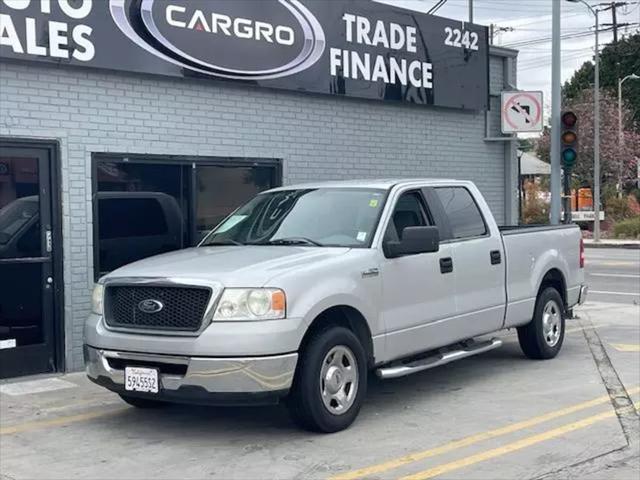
(148, 206)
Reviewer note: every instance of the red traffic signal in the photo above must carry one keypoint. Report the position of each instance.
(569, 120)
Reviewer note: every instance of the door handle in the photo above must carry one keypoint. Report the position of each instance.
(446, 265)
(496, 258)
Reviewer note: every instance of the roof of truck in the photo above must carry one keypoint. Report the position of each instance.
(381, 183)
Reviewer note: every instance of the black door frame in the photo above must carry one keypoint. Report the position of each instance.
(182, 160)
(52, 150)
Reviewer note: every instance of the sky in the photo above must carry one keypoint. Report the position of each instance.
(531, 21)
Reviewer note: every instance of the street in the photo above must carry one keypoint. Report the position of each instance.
(497, 415)
(613, 275)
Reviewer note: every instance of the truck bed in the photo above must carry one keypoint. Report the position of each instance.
(530, 251)
(518, 229)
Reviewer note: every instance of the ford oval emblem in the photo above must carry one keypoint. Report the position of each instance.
(150, 306)
(240, 40)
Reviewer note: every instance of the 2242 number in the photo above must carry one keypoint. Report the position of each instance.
(458, 38)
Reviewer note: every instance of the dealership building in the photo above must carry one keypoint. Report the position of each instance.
(122, 137)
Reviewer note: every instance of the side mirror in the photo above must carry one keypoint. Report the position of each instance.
(414, 240)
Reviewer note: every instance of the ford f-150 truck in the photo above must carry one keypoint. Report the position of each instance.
(302, 291)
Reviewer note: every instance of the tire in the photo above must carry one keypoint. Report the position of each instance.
(333, 362)
(139, 402)
(542, 338)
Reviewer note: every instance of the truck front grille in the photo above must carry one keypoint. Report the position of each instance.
(182, 308)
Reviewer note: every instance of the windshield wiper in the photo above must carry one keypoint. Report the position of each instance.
(294, 241)
(226, 242)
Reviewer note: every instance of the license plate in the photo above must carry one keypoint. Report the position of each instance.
(138, 379)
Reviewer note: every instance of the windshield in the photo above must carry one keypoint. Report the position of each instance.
(327, 217)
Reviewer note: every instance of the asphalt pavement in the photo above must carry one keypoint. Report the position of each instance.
(613, 275)
(494, 416)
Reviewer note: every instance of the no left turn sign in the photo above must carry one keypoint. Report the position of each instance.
(521, 112)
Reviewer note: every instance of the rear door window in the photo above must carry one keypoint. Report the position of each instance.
(462, 211)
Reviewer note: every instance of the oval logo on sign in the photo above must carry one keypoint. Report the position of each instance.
(150, 306)
(248, 40)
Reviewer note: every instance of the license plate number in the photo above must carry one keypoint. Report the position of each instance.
(141, 379)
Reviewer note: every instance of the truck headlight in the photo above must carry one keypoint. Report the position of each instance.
(97, 299)
(251, 304)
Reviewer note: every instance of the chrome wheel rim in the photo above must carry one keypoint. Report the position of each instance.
(339, 380)
(551, 323)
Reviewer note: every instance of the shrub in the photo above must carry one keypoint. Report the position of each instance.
(535, 210)
(617, 208)
(535, 213)
(627, 228)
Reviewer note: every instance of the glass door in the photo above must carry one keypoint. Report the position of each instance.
(26, 268)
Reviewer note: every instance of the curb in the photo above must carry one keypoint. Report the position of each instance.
(629, 246)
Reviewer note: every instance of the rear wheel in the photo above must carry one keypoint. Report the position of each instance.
(542, 337)
(139, 402)
(330, 382)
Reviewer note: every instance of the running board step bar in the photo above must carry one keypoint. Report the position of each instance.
(400, 369)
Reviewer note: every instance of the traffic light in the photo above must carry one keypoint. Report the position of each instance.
(569, 140)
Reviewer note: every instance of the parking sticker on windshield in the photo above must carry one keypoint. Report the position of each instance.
(373, 202)
(361, 236)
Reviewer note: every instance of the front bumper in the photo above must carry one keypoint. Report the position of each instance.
(198, 379)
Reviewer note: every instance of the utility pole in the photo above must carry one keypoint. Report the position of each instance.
(596, 140)
(613, 6)
(556, 192)
(632, 76)
(470, 11)
(596, 129)
(614, 20)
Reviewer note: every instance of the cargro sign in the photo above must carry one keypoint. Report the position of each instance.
(354, 48)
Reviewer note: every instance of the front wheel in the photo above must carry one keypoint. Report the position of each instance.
(330, 383)
(542, 337)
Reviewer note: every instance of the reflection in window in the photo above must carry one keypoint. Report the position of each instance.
(463, 213)
(19, 208)
(338, 217)
(222, 189)
(21, 292)
(142, 211)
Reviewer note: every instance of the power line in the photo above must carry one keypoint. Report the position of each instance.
(538, 40)
(567, 36)
(436, 7)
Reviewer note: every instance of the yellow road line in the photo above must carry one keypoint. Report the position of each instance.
(626, 347)
(465, 442)
(512, 447)
(56, 422)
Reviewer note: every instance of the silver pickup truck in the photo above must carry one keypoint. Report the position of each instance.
(302, 291)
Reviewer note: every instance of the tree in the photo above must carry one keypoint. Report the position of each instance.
(526, 144)
(617, 161)
(616, 61)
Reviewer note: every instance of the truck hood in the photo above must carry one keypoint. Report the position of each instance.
(232, 266)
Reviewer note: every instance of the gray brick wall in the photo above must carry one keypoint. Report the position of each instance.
(317, 137)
